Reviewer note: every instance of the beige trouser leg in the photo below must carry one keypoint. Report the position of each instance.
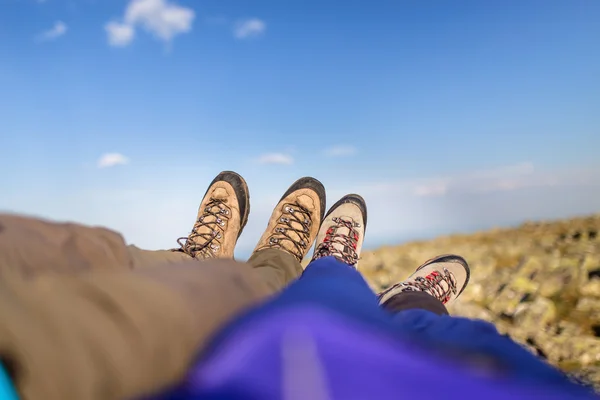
(277, 268)
(80, 320)
(149, 258)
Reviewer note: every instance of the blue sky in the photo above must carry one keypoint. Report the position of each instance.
(445, 115)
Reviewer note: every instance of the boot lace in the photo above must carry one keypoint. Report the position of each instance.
(204, 240)
(431, 284)
(293, 227)
(340, 245)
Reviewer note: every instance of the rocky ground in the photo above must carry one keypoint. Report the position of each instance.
(539, 283)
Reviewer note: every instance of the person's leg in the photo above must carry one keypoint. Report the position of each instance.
(331, 280)
(417, 307)
(74, 311)
(414, 301)
(291, 230)
(434, 284)
(30, 247)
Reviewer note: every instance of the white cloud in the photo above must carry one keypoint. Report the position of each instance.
(119, 34)
(59, 29)
(276, 158)
(112, 159)
(249, 28)
(341, 151)
(161, 18)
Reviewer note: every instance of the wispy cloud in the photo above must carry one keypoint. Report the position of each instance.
(276, 158)
(112, 159)
(59, 29)
(162, 18)
(119, 35)
(340, 151)
(249, 28)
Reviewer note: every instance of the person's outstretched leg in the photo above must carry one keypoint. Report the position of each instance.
(291, 230)
(417, 306)
(437, 282)
(76, 312)
(222, 215)
(331, 280)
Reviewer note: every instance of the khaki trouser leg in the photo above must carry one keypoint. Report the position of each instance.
(277, 268)
(149, 258)
(79, 320)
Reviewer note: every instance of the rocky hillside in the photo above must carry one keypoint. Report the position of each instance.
(539, 283)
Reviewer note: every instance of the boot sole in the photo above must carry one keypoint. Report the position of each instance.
(452, 259)
(313, 184)
(355, 199)
(240, 187)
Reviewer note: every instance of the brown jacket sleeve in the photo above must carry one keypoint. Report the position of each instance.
(77, 321)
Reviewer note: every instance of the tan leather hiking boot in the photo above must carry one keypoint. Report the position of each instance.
(444, 277)
(343, 230)
(222, 215)
(295, 221)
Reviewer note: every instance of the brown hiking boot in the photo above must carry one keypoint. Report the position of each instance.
(444, 277)
(222, 215)
(295, 221)
(343, 230)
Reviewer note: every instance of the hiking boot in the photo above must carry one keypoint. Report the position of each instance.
(343, 230)
(295, 221)
(222, 215)
(444, 277)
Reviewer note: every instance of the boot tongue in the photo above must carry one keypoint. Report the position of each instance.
(342, 230)
(443, 285)
(299, 220)
(209, 223)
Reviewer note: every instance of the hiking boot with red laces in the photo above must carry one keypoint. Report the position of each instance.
(343, 230)
(222, 215)
(444, 277)
(295, 221)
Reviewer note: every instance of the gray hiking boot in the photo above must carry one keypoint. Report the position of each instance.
(343, 230)
(222, 215)
(296, 219)
(444, 277)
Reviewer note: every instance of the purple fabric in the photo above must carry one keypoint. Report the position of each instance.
(311, 353)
